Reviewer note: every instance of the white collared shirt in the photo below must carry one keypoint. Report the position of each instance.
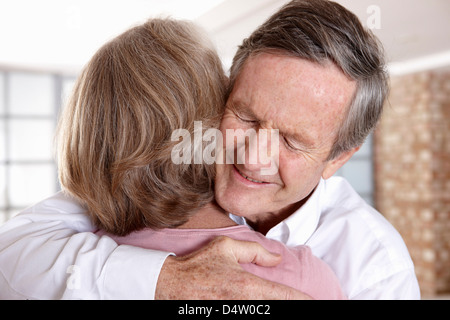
(367, 254)
(49, 251)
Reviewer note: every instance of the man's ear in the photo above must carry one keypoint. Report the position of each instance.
(333, 165)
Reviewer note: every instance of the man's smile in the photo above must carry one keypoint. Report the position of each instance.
(248, 178)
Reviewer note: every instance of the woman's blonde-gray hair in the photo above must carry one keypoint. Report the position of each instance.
(114, 144)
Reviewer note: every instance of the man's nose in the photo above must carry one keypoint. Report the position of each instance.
(261, 153)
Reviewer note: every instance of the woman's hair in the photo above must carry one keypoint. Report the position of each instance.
(114, 136)
(321, 31)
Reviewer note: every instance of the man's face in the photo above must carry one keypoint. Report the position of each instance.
(306, 102)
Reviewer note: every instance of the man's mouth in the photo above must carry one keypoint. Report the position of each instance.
(248, 178)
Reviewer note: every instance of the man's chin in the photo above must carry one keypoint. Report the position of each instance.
(239, 207)
(231, 203)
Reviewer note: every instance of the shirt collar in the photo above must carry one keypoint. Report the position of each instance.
(298, 227)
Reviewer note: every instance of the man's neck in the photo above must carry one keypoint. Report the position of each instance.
(264, 222)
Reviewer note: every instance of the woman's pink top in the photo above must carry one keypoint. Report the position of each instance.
(299, 268)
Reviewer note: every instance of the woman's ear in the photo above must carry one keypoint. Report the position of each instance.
(334, 165)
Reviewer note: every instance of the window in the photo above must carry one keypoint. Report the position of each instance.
(359, 171)
(29, 105)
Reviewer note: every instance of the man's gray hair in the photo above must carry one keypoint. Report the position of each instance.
(321, 31)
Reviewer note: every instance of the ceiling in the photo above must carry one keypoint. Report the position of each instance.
(64, 34)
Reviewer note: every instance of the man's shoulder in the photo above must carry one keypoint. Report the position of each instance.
(59, 209)
(350, 214)
(358, 236)
(60, 202)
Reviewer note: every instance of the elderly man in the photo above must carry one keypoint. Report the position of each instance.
(313, 73)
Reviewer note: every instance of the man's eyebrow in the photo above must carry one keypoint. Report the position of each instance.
(241, 108)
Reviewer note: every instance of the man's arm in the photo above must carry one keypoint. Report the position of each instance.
(49, 252)
(213, 272)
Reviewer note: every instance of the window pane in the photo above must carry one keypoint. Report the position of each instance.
(31, 139)
(2, 187)
(3, 217)
(31, 94)
(2, 94)
(2, 141)
(30, 184)
(359, 174)
(369, 200)
(366, 148)
(67, 87)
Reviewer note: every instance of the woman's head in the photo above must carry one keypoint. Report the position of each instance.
(114, 140)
